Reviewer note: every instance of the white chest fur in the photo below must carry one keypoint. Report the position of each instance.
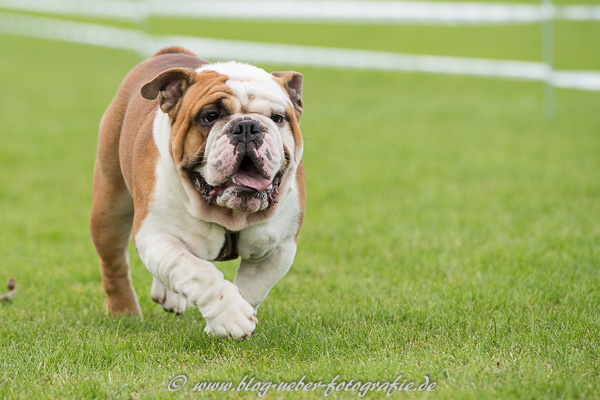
(169, 216)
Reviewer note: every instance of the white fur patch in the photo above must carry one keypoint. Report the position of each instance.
(249, 82)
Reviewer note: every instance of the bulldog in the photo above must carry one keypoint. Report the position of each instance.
(199, 162)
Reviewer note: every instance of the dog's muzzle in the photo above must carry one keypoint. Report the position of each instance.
(245, 133)
(251, 174)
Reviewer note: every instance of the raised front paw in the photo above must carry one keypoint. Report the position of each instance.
(229, 315)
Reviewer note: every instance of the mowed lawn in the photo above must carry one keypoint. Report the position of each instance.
(450, 232)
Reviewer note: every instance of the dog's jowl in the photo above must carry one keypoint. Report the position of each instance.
(200, 162)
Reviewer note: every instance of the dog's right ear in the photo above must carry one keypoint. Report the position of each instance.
(169, 86)
(292, 83)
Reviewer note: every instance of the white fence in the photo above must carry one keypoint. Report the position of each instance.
(371, 12)
(310, 10)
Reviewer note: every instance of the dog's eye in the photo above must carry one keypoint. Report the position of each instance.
(210, 117)
(277, 118)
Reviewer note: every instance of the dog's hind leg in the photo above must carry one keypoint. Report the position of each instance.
(110, 224)
(112, 219)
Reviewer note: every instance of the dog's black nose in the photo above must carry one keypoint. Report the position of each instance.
(246, 131)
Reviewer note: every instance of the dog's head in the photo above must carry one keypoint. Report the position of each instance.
(234, 133)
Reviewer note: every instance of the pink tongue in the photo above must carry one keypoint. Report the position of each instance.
(250, 177)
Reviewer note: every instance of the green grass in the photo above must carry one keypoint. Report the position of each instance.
(450, 233)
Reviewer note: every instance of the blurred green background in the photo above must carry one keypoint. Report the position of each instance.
(451, 231)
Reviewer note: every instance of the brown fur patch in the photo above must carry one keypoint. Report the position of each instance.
(144, 179)
(188, 138)
(295, 127)
(301, 195)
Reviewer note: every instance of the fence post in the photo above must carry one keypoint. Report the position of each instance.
(144, 25)
(548, 58)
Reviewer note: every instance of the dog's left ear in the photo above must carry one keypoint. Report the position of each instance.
(292, 82)
(169, 86)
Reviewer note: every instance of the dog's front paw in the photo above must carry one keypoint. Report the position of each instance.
(229, 315)
(170, 301)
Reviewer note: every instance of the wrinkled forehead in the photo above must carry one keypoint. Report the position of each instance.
(252, 86)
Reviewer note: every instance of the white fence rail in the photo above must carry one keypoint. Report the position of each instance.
(217, 49)
(306, 10)
(310, 10)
